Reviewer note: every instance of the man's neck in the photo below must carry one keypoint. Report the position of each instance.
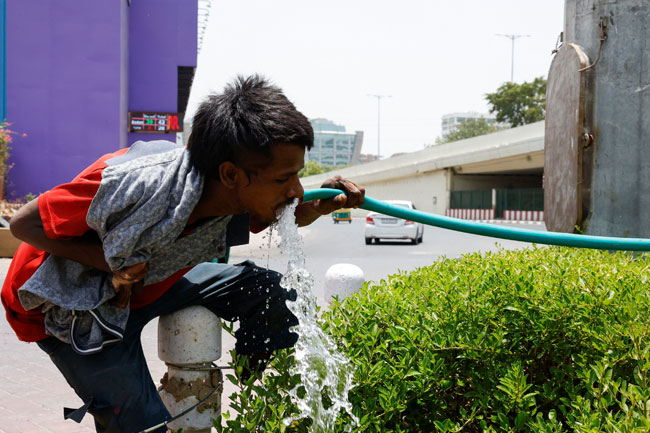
(216, 200)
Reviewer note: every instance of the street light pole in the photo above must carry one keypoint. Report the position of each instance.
(379, 121)
(512, 62)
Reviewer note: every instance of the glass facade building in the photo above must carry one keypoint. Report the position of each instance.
(333, 146)
(451, 121)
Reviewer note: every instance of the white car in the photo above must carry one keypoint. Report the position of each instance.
(380, 226)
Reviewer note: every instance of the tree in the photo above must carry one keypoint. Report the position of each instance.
(469, 128)
(519, 104)
(312, 168)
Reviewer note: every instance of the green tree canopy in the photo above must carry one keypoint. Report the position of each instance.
(519, 104)
(312, 167)
(469, 128)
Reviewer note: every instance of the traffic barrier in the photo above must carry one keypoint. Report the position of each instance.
(471, 214)
(523, 215)
(342, 279)
(189, 341)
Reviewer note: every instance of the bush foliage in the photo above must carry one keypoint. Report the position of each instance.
(540, 340)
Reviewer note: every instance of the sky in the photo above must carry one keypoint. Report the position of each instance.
(432, 57)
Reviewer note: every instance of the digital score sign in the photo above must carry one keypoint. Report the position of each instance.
(149, 121)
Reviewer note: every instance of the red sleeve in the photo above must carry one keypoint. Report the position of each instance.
(63, 209)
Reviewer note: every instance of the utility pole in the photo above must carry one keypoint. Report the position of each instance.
(615, 186)
(379, 120)
(512, 62)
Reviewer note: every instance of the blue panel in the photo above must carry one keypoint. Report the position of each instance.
(3, 60)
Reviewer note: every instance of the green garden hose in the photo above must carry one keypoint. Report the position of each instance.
(515, 234)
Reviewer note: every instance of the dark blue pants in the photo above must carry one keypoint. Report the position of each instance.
(115, 384)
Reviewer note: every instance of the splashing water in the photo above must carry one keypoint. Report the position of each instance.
(323, 370)
(268, 251)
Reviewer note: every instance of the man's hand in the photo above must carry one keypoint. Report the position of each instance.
(126, 280)
(354, 196)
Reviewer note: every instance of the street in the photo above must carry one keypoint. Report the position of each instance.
(326, 244)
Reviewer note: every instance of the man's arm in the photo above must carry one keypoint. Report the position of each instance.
(27, 226)
(307, 213)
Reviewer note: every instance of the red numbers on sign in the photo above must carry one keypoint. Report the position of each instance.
(173, 123)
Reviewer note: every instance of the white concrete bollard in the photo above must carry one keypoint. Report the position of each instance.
(189, 341)
(342, 279)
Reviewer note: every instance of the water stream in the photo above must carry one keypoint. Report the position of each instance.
(324, 371)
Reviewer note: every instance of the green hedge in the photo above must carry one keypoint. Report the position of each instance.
(540, 340)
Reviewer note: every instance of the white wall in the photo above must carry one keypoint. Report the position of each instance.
(427, 191)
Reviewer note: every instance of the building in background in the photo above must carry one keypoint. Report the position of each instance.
(365, 158)
(84, 78)
(451, 121)
(333, 146)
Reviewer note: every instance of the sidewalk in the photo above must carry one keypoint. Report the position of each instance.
(33, 392)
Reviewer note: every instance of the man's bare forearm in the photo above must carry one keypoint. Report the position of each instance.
(306, 214)
(27, 226)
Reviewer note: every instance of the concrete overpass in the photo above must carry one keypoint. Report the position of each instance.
(513, 158)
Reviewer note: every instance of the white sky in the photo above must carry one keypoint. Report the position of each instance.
(433, 57)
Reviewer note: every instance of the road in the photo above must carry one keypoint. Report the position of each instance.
(325, 244)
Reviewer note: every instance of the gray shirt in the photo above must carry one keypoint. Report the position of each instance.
(139, 212)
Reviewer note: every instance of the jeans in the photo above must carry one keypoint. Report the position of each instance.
(115, 384)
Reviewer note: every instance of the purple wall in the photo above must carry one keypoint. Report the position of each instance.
(163, 31)
(73, 70)
(63, 88)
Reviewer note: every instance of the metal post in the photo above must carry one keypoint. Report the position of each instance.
(512, 62)
(378, 128)
(379, 120)
(189, 341)
(512, 57)
(615, 159)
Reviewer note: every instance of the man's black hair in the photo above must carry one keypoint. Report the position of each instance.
(250, 114)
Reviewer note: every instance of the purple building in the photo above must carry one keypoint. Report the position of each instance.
(75, 69)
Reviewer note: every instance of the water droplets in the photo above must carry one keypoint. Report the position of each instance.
(321, 367)
(268, 253)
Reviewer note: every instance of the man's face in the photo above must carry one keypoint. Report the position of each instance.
(274, 182)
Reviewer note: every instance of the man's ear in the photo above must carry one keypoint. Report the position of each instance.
(229, 175)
